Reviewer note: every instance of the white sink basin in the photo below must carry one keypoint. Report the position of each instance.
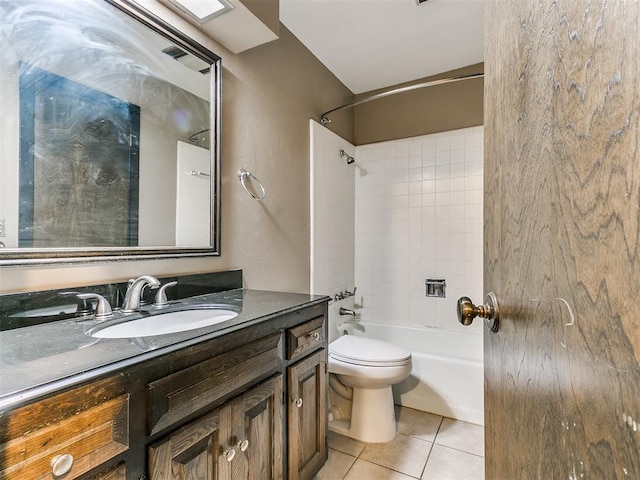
(169, 322)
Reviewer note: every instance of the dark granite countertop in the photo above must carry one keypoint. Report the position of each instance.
(40, 359)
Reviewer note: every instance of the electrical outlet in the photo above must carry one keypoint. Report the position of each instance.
(3, 230)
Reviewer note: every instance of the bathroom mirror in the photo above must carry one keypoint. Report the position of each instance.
(109, 135)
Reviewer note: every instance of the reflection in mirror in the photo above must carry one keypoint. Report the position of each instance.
(108, 134)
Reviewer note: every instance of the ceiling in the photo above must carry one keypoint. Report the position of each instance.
(371, 44)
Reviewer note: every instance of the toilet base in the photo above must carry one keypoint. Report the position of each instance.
(373, 417)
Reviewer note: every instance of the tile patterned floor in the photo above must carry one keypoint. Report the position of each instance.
(427, 447)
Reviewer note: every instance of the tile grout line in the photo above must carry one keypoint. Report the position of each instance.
(349, 469)
(458, 450)
(432, 445)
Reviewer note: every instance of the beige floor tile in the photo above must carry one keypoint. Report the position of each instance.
(362, 470)
(417, 424)
(403, 454)
(345, 444)
(336, 467)
(463, 436)
(448, 464)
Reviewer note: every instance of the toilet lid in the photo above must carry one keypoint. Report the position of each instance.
(368, 351)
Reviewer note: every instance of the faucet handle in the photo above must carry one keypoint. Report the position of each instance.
(161, 297)
(103, 309)
(83, 307)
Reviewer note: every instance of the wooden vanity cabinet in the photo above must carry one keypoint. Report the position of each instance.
(118, 472)
(213, 446)
(240, 441)
(307, 436)
(248, 405)
(307, 392)
(69, 435)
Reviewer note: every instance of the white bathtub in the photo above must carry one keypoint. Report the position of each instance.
(447, 375)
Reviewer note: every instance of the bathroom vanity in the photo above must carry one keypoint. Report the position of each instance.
(245, 399)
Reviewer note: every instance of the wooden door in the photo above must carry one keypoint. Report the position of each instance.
(258, 419)
(307, 416)
(194, 451)
(242, 440)
(562, 236)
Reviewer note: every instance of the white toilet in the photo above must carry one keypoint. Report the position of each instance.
(361, 372)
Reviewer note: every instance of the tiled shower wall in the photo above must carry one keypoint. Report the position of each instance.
(418, 215)
(332, 220)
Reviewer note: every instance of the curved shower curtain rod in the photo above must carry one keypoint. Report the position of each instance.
(324, 120)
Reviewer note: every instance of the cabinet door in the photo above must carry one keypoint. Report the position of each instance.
(307, 436)
(116, 473)
(243, 440)
(192, 452)
(258, 433)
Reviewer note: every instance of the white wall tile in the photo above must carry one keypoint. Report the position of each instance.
(457, 156)
(428, 144)
(442, 144)
(334, 206)
(428, 159)
(415, 161)
(419, 215)
(443, 157)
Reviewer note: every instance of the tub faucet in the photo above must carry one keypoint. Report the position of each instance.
(346, 311)
(133, 296)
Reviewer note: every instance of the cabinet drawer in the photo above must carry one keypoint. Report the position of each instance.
(180, 394)
(305, 337)
(90, 437)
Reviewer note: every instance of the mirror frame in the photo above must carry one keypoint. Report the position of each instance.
(44, 256)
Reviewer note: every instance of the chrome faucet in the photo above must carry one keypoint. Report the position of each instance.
(103, 309)
(346, 311)
(133, 296)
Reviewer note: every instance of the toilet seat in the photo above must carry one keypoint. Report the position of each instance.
(370, 352)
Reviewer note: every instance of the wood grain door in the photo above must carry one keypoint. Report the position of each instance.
(307, 416)
(194, 451)
(258, 433)
(242, 440)
(562, 236)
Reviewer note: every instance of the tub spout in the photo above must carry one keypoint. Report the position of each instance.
(346, 311)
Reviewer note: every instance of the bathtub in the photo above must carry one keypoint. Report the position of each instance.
(447, 374)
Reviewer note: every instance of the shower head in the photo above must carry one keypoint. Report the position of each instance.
(349, 158)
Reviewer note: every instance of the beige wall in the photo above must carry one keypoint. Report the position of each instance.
(269, 94)
(423, 111)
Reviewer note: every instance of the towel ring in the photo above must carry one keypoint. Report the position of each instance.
(243, 175)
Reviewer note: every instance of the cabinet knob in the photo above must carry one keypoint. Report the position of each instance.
(229, 454)
(298, 402)
(243, 445)
(315, 336)
(61, 464)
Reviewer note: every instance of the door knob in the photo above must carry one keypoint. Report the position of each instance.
(467, 311)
